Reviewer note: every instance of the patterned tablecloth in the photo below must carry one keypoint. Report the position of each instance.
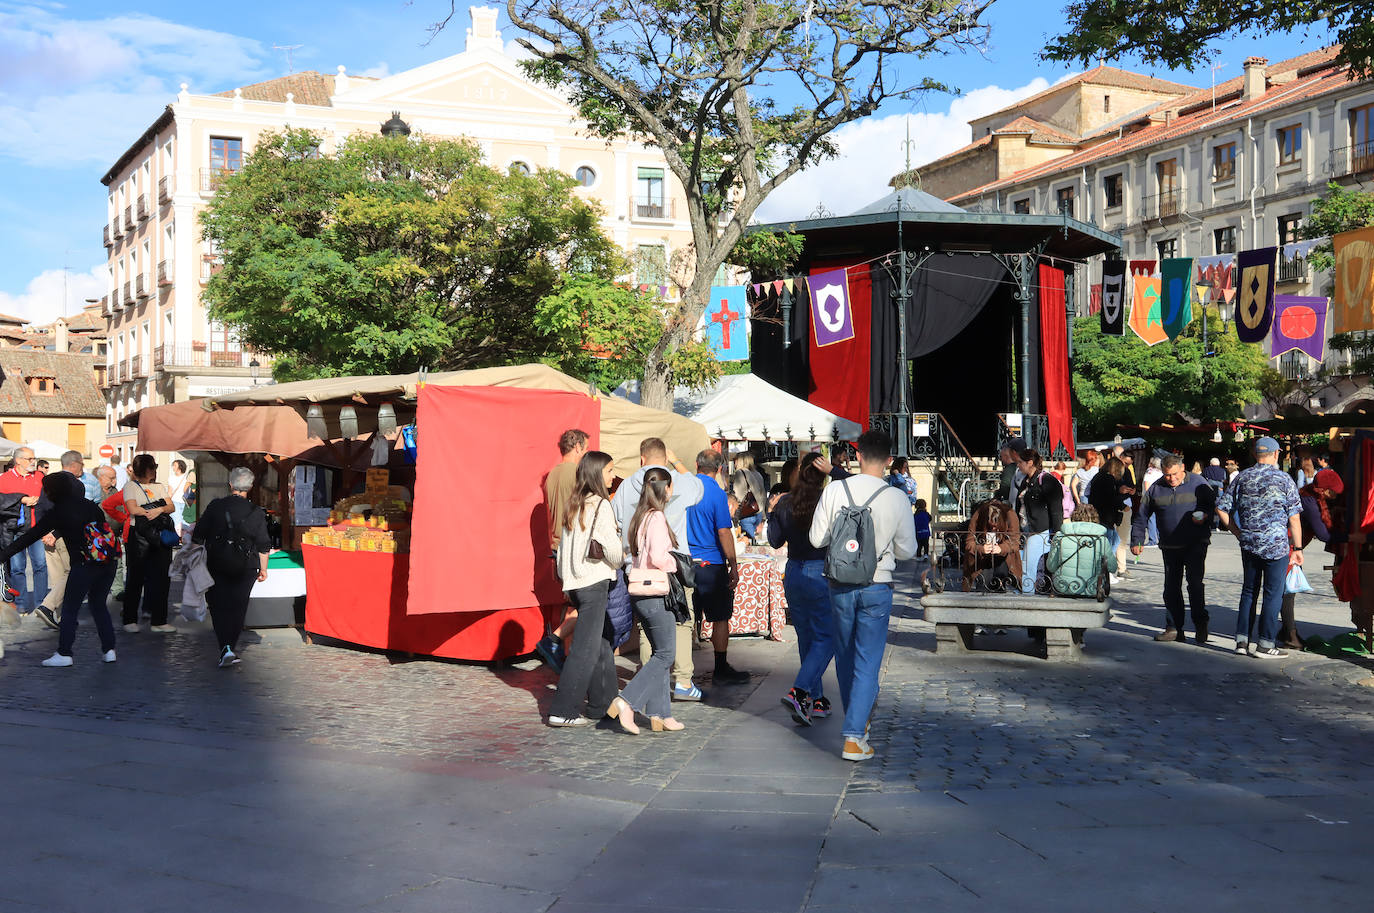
(760, 606)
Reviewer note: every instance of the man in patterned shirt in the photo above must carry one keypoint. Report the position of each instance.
(1262, 508)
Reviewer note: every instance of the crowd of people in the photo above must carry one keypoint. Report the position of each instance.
(661, 549)
(75, 537)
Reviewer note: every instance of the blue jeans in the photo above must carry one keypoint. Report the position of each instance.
(649, 690)
(1113, 542)
(1036, 546)
(29, 599)
(1152, 536)
(861, 615)
(1272, 572)
(750, 525)
(808, 602)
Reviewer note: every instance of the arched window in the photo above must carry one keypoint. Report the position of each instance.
(585, 175)
(519, 167)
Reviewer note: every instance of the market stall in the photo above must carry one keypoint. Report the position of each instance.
(467, 573)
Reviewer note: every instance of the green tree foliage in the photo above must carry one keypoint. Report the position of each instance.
(738, 95)
(394, 253)
(1341, 209)
(602, 331)
(1120, 380)
(1177, 33)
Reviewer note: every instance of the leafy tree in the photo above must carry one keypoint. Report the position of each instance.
(1120, 380)
(1341, 209)
(602, 332)
(738, 94)
(1176, 33)
(394, 253)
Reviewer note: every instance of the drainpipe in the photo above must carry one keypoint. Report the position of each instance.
(1254, 180)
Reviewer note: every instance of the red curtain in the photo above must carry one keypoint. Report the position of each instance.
(1054, 358)
(480, 535)
(840, 372)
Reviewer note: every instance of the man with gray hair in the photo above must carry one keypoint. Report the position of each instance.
(234, 532)
(25, 487)
(55, 550)
(1182, 504)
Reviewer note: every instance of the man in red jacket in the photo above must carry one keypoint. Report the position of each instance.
(22, 480)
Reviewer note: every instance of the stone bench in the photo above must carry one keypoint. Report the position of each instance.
(955, 615)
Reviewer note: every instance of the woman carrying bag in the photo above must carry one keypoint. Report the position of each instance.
(152, 537)
(234, 533)
(1316, 497)
(1040, 508)
(651, 544)
(589, 554)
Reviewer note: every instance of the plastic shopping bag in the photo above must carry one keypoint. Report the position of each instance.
(1296, 581)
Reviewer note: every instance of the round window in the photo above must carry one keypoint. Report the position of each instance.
(585, 176)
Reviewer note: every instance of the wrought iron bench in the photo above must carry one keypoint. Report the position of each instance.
(957, 602)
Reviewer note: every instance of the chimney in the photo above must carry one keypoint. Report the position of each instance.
(59, 330)
(1254, 85)
(483, 32)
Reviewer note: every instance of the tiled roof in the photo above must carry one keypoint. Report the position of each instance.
(17, 321)
(1039, 133)
(1104, 76)
(77, 394)
(307, 87)
(85, 322)
(1203, 119)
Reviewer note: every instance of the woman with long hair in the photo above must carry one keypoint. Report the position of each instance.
(589, 554)
(1106, 494)
(808, 593)
(1040, 507)
(651, 545)
(750, 489)
(148, 560)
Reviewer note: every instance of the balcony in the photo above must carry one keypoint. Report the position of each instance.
(210, 178)
(655, 209)
(1163, 205)
(109, 242)
(137, 367)
(164, 273)
(128, 293)
(142, 287)
(142, 208)
(114, 375)
(1294, 270)
(165, 187)
(201, 355)
(129, 219)
(116, 302)
(1354, 159)
(116, 231)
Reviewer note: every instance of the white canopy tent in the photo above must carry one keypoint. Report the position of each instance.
(742, 407)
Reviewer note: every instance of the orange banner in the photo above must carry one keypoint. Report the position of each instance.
(1354, 302)
(1147, 318)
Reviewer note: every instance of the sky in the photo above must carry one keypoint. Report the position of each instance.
(80, 82)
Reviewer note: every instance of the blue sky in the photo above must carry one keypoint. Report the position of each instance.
(80, 82)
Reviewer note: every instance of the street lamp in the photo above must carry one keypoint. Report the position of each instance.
(253, 367)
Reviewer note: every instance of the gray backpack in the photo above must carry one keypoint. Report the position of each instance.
(852, 556)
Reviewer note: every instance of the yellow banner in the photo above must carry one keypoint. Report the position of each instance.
(1354, 302)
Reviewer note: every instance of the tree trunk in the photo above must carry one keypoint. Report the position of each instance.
(656, 389)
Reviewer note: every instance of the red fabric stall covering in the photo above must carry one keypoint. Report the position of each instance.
(840, 372)
(480, 568)
(1054, 358)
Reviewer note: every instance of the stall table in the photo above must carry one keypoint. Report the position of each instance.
(760, 604)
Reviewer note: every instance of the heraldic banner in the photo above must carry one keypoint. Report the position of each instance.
(727, 330)
(1113, 311)
(1354, 281)
(1147, 321)
(1176, 294)
(1255, 275)
(1299, 323)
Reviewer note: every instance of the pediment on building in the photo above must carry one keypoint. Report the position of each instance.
(489, 82)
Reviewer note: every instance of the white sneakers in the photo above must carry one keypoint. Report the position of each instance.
(108, 656)
(131, 628)
(163, 629)
(57, 660)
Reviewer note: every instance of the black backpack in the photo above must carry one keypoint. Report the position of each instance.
(231, 553)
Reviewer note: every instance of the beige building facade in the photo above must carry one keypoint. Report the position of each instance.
(162, 345)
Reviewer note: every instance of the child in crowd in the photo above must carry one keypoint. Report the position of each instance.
(922, 529)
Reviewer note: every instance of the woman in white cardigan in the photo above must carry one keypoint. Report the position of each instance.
(588, 675)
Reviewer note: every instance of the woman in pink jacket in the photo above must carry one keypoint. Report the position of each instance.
(651, 541)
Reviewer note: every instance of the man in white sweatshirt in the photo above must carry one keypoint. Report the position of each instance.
(862, 611)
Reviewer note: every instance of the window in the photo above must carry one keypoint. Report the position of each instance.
(1167, 248)
(46, 386)
(1362, 139)
(1166, 179)
(14, 431)
(1021, 206)
(1290, 144)
(1112, 187)
(1064, 198)
(1106, 104)
(649, 193)
(585, 176)
(1224, 240)
(651, 264)
(519, 167)
(76, 436)
(1224, 162)
(1289, 228)
(226, 153)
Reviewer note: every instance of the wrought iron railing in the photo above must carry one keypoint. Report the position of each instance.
(931, 441)
(976, 560)
(165, 186)
(1162, 205)
(1353, 159)
(142, 208)
(1294, 270)
(1035, 430)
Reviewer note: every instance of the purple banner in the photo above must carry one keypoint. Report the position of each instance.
(830, 313)
(1255, 293)
(1299, 323)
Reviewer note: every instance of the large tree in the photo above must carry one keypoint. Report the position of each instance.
(1177, 33)
(395, 253)
(1341, 209)
(1119, 379)
(738, 94)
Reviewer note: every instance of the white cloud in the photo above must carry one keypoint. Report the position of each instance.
(380, 71)
(77, 92)
(53, 293)
(871, 152)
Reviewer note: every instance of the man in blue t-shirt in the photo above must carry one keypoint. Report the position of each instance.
(711, 537)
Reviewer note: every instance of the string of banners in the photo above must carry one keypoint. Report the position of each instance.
(1161, 294)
